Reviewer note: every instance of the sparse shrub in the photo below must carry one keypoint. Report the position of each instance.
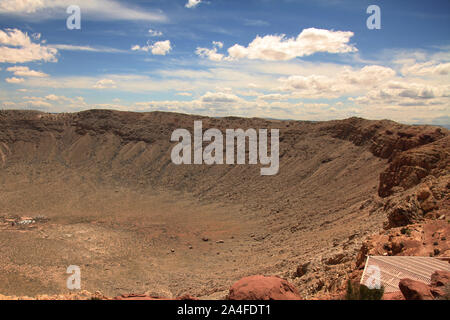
(406, 231)
(351, 292)
(361, 292)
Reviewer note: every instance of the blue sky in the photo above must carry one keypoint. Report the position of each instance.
(311, 60)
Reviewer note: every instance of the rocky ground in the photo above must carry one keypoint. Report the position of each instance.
(97, 189)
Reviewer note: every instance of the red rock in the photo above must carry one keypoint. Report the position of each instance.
(263, 288)
(437, 292)
(440, 278)
(408, 168)
(415, 290)
(302, 269)
(393, 296)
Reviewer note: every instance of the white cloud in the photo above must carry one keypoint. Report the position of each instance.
(54, 103)
(211, 54)
(38, 103)
(406, 93)
(429, 68)
(184, 94)
(17, 47)
(275, 89)
(97, 9)
(161, 47)
(14, 80)
(22, 6)
(347, 81)
(218, 44)
(70, 47)
(53, 97)
(192, 3)
(155, 33)
(158, 48)
(219, 97)
(22, 71)
(280, 48)
(273, 97)
(105, 84)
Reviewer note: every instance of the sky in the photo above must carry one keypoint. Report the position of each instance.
(284, 59)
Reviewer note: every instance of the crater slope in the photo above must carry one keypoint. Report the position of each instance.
(102, 193)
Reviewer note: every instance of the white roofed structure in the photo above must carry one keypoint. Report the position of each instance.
(387, 271)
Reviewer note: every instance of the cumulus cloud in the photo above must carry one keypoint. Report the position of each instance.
(281, 48)
(55, 103)
(192, 3)
(22, 71)
(158, 48)
(22, 6)
(405, 93)
(53, 97)
(161, 48)
(219, 97)
(17, 47)
(346, 82)
(105, 84)
(211, 54)
(429, 68)
(98, 9)
(14, 80)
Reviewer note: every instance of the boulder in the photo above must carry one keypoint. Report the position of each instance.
(440, 278)
(263, 288)
(338, 258)
(302, 269)
(415, 290)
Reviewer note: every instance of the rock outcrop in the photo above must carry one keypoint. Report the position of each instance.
(409, 168)
(415, 290)
(428, 239)
(263, 288)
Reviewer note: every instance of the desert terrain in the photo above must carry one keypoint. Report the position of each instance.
(97, 189)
